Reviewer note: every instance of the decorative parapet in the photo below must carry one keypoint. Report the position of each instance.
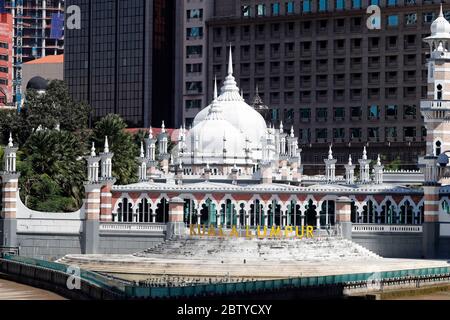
(376, 228)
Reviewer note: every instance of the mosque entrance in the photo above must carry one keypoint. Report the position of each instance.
(311, 214)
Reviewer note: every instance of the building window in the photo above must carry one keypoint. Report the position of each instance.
(355, 112)
(261, 10)
(339, 133)
(194, 68)
(323, 5)
(375, 2)
(194, 87)
(3, 81)
(372, 133)
(305, 115)
(194, 33)
(339, 113)
(322, 134)
(321, 114)
(194, 51)
(437, 148)
(391, 132)
(409, 132)
(373, 112)
(195, 14)
(392, 21)
(428, 17)
(356, 4)
(275, 9)
(307, 6)
(439, 92)
(193, 104)
(4, 69)
(410, 19)
(246, 11)
(355, 133)
(391, 3)
(410, 111)
(340, 4)
(4, 45)
(290, 7)
(391, 110)
(3, 57)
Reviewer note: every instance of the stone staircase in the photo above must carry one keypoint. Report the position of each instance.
(270, 250)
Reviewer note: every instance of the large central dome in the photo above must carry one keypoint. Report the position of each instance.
(238, 113)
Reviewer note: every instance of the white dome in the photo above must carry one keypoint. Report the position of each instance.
(440, 25)
(214, 133)
(238, 113)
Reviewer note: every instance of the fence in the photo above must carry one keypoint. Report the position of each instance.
(128, 290)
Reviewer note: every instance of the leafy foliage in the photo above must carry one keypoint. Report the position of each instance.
(52, 171)
(122, 144)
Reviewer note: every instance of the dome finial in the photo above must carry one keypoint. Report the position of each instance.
(106, 149)
(365, 153)
(215, 88)
(292, 132)
(230, 62)
(330, 153)
(379, 161)
(10, 141)
(93, 150)
(441, 12)
(163, 127)
(350, 160)
(150, 133)
(142, 155)
(281, 127)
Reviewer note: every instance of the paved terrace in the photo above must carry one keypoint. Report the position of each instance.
(246, 259)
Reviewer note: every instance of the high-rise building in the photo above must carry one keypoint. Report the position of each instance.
(32, 21)
(319, 68)
(123, 59)
(6, 66)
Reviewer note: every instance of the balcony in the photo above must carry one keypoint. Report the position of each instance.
(438, 105)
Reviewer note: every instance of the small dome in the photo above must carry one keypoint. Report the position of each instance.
(37, 83)
(440, 25)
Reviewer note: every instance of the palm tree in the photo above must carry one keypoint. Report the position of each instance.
(121, 144)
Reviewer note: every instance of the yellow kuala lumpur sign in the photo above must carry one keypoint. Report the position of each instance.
(260, 233)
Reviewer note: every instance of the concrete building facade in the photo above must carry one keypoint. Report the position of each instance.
(6, 57)
(320, 68)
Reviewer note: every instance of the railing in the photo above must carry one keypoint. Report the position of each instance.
(104, 282)
(435, 104)
(10, 250)
(127, 290)
(247, 288)
(132, 227)
(386, 228)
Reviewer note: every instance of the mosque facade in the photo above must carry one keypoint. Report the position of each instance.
(232, 170)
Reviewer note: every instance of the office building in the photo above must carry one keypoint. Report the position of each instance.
(320, 69)
(123, 59)
(6, 66)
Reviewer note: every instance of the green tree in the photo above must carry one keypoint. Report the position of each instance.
(55, 107)
(52, 171)
(121, 143)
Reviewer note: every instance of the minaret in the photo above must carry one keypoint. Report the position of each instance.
(350, 171)
(378, 171)
(142, 171)
(150, 142)
(10, 190)
(108, 182)
(436, 112)
(436, 109)
(330, 167)
(164, 156)
(364, 168)
(93, 187)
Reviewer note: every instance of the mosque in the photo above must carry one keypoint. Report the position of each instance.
(233, 170)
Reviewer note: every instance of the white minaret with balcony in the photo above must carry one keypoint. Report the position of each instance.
(436, 108)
